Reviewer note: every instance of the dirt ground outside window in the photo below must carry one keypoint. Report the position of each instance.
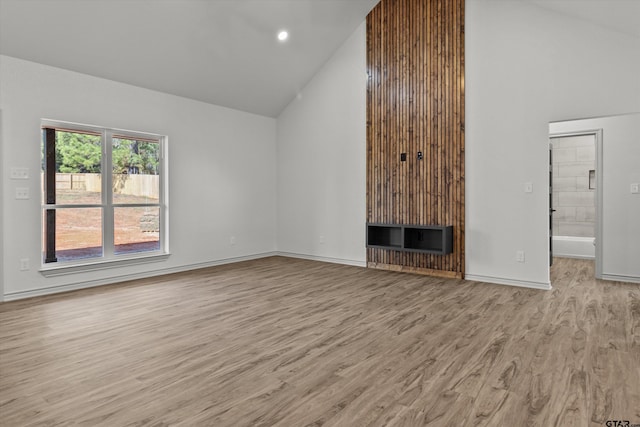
(79, 230)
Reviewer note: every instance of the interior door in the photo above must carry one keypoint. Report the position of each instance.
(551, 210)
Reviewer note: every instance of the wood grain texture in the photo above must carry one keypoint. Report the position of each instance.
(415, 102)
(288, 342)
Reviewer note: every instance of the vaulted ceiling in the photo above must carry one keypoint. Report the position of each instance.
(224, 52)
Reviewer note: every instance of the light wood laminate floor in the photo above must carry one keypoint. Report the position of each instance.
(290, 342)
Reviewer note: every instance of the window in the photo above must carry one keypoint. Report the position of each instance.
(103, 194)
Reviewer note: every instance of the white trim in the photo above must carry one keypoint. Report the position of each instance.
(559, 254)
(126, 277)
(106, 174)
(620, 278)
(164, 193)
(599, 202)
(2, 207)
(353, 262)
(509, 282)
(78, 266)
(597, 134)
(589, 240)
(574, 247)
(58, 124)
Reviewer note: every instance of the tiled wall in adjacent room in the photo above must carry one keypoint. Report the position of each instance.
(574, 201)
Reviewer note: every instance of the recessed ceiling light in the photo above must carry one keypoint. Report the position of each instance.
(283, 35)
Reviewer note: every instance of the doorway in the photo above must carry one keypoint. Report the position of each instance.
(574, 214)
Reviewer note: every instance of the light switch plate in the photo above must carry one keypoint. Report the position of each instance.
(635, 188)
(528, 187)
(22, 193)
(19, 173)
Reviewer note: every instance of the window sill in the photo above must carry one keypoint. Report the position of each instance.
(61, 269)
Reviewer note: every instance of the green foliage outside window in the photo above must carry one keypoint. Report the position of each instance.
(82, 153)
(137, 157)
(78, 153)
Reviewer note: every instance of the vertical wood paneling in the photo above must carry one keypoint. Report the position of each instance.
(415, 102)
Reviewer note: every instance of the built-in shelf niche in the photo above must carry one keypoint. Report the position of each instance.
(384, 236)
(433, 239)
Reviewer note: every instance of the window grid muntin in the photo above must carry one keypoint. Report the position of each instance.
(107, 206)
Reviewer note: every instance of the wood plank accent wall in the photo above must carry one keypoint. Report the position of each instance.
(415, 102)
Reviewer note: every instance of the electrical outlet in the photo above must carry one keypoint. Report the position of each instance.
(635, 188)
(24, 264)
(528, 187)
(232, 240)
(19, 173)
(321, 239)
(22, 193)
(520, 256)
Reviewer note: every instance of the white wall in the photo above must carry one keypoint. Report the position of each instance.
(620, 208)
(221, 164)
(526, 67)
(321, 161)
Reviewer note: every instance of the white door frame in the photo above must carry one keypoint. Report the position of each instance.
(2, 207)
(597, 133)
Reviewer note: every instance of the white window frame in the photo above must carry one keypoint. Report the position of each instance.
(109, 258)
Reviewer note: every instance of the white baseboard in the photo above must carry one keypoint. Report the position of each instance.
(126, 277)
(574, 247)
(573, 256)
(619, 278)
(353, 262)
(509, 282)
